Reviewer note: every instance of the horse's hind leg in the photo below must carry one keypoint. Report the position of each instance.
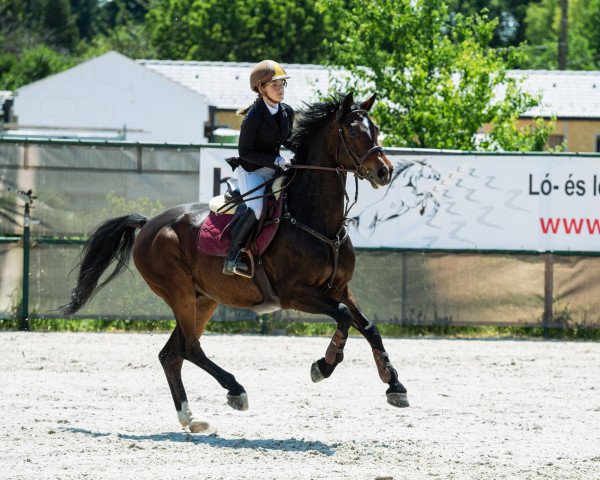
(192, 318)
(171, 361)
(396, 393)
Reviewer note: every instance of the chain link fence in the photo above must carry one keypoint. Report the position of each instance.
(80, 184)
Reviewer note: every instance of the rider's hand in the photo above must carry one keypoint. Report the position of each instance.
(283, 163)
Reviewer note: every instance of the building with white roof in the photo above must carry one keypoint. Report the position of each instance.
(573, 98)
(226, 85)
(566, 94)
(110, 97)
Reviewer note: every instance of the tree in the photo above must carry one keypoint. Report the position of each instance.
(35, 64)
(87, 13)
(16, 33)
(435, 74)
(240, 30)
(58, 20)
(590, 29)
(510, 30)
(24, 57)
(130, 40)
(123, 12)
(542, 27)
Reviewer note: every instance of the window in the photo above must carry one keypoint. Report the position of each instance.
(555, 140)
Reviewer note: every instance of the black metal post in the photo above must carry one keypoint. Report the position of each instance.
(404, 283)
(548, 293)
(24, 325)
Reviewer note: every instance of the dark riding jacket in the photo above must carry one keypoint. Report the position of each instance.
(262, 135)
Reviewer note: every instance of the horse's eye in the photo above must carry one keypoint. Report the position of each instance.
(352, 130)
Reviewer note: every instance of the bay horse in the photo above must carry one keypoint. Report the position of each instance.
(330, 140)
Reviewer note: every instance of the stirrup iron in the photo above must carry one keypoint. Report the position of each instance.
(251, 262)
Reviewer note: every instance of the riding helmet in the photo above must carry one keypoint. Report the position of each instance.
(266, 71)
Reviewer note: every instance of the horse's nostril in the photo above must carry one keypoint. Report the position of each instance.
(382, 173)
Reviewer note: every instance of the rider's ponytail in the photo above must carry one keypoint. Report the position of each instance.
(244, 110)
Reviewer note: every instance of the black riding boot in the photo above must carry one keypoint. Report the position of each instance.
(240, 232)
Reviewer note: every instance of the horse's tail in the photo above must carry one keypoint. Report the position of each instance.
(113, 240)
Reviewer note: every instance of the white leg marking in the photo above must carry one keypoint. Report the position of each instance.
(184, 415)
(186, 418)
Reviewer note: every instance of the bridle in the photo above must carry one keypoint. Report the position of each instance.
(358, 160)
(342, 233)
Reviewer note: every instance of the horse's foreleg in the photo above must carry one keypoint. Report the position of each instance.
(396, 393)
(318, 303)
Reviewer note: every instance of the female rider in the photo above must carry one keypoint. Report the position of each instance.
(266, 126)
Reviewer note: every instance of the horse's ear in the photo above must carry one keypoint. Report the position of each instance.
(367, 104)
(346, 106)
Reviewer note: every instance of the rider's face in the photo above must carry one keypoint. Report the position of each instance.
(275, 89)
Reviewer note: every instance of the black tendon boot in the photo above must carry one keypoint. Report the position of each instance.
(243, 225)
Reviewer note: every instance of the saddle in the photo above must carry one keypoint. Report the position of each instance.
(214, 237)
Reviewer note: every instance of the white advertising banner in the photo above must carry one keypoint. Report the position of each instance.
(454, 201)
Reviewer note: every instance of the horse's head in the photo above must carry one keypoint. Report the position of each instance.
(357, 146)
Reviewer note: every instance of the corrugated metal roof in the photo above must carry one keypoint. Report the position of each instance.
(226, 84)
(566, 94)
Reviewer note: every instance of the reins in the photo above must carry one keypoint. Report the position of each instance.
(342, 234)
(234, 202)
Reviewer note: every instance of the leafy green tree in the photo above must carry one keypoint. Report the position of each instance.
(16, 33)
(590, 29)
(88, 15)
(118, 25)
(60, 23)
(542, 27)
(435, 74)
(35, 64)
(510, 30)
(49, 22)
(240, 30)
(122, 12)
(12, 10)
(130, 40)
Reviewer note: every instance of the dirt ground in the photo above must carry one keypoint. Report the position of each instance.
(97, 406)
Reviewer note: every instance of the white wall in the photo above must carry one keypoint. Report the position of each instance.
(111, 91)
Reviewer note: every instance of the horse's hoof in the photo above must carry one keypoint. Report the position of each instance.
(315, 373)
(397, 399)
(197, 426)
(238, 402)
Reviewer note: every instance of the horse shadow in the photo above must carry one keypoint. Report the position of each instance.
(213, 440)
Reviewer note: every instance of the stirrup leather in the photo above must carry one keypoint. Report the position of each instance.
(251, 262)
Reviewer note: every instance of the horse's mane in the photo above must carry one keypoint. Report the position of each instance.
(310, 122)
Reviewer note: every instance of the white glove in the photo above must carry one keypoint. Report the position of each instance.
(283, 163)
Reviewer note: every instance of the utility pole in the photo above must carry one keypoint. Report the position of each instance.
(562, 40)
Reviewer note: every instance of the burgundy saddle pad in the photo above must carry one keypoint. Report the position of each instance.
(214, 236)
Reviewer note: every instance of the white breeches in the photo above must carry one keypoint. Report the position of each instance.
(249, 181)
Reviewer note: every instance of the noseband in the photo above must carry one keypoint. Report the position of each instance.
(358, 160)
